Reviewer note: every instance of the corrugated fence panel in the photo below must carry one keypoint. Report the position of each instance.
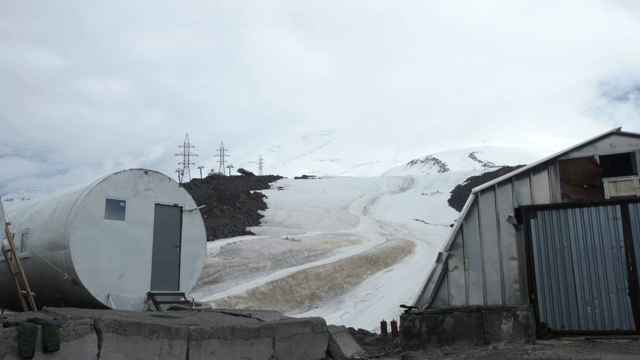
(580, 269)
(614, 277)
(490, 247)
(634, 215)
(508, 245)
(473, 257)
(550, 254)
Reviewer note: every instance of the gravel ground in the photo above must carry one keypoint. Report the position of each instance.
(574, 348)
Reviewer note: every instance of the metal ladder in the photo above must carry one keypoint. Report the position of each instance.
(154, 295)
(17, 271)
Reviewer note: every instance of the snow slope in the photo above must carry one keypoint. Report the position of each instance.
(348, 249)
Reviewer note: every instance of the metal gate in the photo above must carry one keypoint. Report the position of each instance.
(167, 240)
(583, 276)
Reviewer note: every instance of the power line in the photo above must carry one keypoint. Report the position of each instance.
(58, 148)
(42, 117)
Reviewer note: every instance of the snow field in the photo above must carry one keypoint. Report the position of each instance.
(348, 249)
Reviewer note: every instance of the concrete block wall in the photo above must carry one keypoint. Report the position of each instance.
(210, 334)
(78, 335)
(465, 326)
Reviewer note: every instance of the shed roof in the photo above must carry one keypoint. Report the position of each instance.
(617, 130)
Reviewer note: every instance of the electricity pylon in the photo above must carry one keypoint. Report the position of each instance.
(260, 165)
(221, 155)
(186, 159)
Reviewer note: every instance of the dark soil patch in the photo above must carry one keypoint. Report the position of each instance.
(460, 193)
(231, 204)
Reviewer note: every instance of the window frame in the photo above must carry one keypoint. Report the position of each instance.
(112, 211)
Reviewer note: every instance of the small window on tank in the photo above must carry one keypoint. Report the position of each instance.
(24, 243)
(115, 209)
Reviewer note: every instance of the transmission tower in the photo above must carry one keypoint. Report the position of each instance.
(221, 154)
(186, 159)
(260, 164)
(200, 168)
(229, 167)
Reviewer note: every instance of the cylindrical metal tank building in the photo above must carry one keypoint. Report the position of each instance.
(106, 244)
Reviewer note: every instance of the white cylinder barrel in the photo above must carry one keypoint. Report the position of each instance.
(106, 244)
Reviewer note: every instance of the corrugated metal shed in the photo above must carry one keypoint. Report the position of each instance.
(485, 261)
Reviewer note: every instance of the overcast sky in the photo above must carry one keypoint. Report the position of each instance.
(88, 88)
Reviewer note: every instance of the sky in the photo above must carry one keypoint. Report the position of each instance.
(91, 88)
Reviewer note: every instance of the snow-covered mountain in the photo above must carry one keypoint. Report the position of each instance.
(334, 152)
(10, 200)
(469, 159)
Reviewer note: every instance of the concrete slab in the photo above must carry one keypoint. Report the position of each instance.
(465, 326)
(341, 344)
(510, 326)
(132, 339)
(262, 315)
(300, 339)
(250, 341)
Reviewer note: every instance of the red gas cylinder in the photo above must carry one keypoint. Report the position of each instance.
(394, 328)
(383, 328)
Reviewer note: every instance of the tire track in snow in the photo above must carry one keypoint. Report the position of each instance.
(298, 289)
(303, 289)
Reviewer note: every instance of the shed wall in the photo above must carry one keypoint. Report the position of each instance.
(486, 246)
(491, 250)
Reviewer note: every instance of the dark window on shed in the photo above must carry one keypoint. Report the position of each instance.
(115, 209)
(581, 179)
(616, 165)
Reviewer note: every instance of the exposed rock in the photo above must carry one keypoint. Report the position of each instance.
(231, 204)
(460, 193)
(430, 162)
(485, 164)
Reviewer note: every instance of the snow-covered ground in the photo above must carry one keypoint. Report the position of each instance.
(348, 249)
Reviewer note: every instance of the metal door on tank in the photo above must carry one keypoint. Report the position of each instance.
(582, 276)
(167, 241)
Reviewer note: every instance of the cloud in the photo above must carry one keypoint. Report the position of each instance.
(97, 86)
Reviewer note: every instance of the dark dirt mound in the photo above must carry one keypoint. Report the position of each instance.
(460, 193)
(374, 345)
(231, 205)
